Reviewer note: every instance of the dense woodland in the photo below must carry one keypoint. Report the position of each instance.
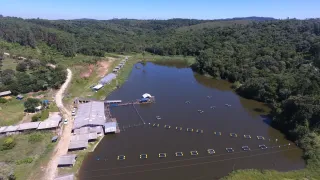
(273, 61)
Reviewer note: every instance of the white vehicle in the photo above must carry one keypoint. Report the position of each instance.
(65, 121)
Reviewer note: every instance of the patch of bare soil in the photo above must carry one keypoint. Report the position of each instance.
(88, 72)
(103, 67)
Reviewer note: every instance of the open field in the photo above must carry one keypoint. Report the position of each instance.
(11, 112)
(24, 158)
(9, 63)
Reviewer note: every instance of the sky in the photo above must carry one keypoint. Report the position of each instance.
(159, 9)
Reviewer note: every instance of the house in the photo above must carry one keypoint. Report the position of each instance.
(19, 97)
(67, 160)
(5, 93)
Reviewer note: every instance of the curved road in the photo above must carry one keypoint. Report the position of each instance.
(62, 146)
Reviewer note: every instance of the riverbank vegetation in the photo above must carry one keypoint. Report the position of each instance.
(273, 61)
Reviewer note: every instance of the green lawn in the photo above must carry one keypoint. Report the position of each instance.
(9, 63)
(11, 112)
(34, 146)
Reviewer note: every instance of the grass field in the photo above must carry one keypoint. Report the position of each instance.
(26, 155)
(11, 112)
(9, 63)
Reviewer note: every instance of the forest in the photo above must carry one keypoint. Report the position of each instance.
(269, 60)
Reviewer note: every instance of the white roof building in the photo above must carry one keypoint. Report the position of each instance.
(146, 95)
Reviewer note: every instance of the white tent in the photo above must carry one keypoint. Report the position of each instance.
(146, 95)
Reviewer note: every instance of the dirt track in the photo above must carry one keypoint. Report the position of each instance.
(62, 146)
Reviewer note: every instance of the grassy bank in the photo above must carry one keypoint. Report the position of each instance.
(11, 112)
(25, 158)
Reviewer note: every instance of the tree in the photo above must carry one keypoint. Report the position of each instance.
(8, 143)
(22, 67)
(31, 103)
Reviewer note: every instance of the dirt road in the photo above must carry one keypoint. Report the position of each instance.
(62, 146)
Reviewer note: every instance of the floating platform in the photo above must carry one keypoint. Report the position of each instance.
(245, 148)
(217, 133)
(211, 151)
(167, 126)
(247, 136)
(263, 147)
(143, 156)
(199, 131)
(179, 128)
(194, 153)
(158, 117)
(179, 154)
(229, 150)
(162, 155)
(189, 130)
(233, 135)
(260, 137)
(121, 157)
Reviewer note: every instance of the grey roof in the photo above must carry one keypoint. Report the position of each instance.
(110, 127)
(113, 101)
(82, 130)
(65, 177)
(67, 159)
(2, 129)
(11, 128)
(77, 145)
(5, 93)
(84, 137)
(20, 96)
(52, 122)
(30, 125)
(87, 130)
(54, 138)
(91, 113)
(108, 78)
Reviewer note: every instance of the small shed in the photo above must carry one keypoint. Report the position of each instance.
(54, 139)
(110, 127)
(65, 177)
(19, 97)
(97, 87)
(67, 160)
(5, 93)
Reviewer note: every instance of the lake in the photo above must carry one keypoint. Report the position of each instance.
(173, 85)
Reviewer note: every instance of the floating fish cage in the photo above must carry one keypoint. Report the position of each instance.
(162, 155)
(121, 157)
(211, 151)
(245, 148)
(260, 137)
(143, 156)
(233, 135)
(229, 150)
(247, 136)
(156, 125)
(194, 153)
(187, 102)
(158, 117)
(167, 126)
(189, 130)
(217, 133)
(179, 128)
(179, 154)
(263, 147)
(199, 131)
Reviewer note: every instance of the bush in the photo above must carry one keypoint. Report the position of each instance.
(27, 160)
(36, 117)
(3, 100)
(8, 143)
(33, 138)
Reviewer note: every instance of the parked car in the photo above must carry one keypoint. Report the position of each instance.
(65, 121)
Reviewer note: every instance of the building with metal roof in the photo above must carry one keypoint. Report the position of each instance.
(86, 130)
(90, 114)
(107, 79)
(28, 126)
(65, 177)
(5, 93)
(51, 123)
(110, 127)
(85, 137)
(67, 160)
(2, 129)
(11, 129)
(77, 145)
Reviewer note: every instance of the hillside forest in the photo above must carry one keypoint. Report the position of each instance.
(269, 60)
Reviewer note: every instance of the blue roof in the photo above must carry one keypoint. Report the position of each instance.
(108, 78)
(144, 99)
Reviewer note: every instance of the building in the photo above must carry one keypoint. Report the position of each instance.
(107, 79)
(89, 114)
(28, 126)
(19, 97)
(5, 93)
(51, 123)
(65, 177)
(77, 145)
(67, 160)
(110, 127)
(85, 137)
(11, 130)
(2, 133)
(6, 54)
(86, 130)
(97, 87)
